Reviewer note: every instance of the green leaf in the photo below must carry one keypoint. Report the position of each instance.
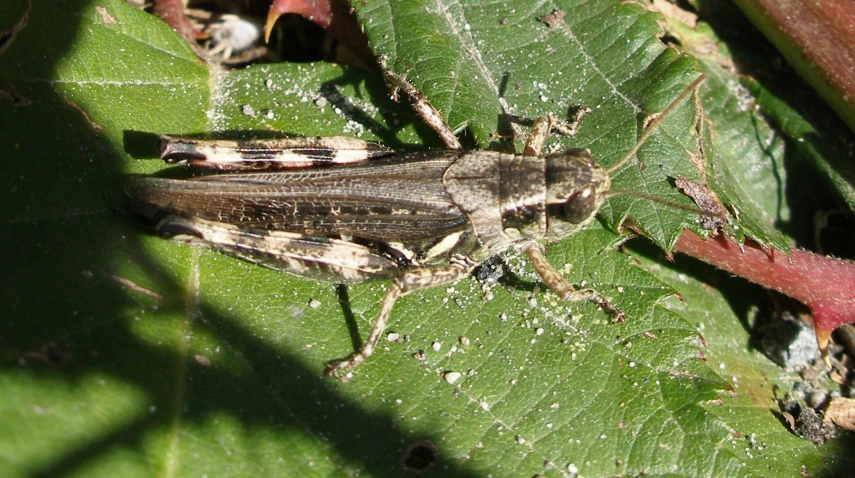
(800, 149)
(124, 354)
(746, 175)
(759, 442)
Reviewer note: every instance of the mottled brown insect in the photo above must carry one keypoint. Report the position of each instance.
(421, 219)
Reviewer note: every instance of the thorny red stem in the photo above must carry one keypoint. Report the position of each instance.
(172, 12)
(335, 16)
(815, 37)
(825, 284)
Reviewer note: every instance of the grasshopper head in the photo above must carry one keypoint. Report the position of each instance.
(575, 190)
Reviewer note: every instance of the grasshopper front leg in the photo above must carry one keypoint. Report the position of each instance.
(410, 281)
(543, 126)
(564, 289)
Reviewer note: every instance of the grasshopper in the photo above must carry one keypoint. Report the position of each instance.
(421, 219)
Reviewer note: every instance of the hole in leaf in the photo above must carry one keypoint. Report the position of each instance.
(419, 456)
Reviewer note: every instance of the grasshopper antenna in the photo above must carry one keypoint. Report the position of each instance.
(702, 212)
(654, 124)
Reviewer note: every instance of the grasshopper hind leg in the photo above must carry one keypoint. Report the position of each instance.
(410, 281)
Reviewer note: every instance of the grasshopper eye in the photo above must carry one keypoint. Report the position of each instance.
(580, 206)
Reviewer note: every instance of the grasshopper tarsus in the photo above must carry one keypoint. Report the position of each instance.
(347, 363)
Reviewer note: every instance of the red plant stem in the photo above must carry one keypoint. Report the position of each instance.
(335, 16)
(816, 38)
(825, 284)
(172, 12)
